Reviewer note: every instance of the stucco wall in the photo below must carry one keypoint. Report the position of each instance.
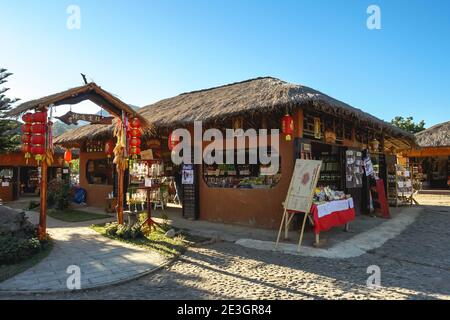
(254, 207)
(96, 193)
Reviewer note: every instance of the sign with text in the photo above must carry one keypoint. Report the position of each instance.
(73, 118)
(303, 182)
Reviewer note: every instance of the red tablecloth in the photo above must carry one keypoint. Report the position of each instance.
(332, 214)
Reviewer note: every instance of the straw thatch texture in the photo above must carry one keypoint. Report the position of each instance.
(74, 137)
(261, 95)
(436, 136)
(90, 91)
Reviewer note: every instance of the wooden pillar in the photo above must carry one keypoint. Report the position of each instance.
(120, 172)
(42, 230)
(298, 123)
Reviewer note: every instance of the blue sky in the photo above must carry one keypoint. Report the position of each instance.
(144, 51)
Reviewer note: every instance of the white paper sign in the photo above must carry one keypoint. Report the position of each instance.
(303, 182)
(187, 176)
(368, 166)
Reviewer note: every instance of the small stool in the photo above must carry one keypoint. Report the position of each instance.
(158, 204)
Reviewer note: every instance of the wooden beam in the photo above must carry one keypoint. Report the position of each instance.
(298, 123)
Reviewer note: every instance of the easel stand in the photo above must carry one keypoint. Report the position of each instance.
(286, 221)
(300, 195)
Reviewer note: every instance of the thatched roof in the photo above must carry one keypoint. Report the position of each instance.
(436, 136)
(72, 138)
(260, 95)
(90, 91)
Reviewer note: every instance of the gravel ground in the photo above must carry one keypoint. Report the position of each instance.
(414, 265)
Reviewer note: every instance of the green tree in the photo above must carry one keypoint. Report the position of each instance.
(9, 129)
(408, 124)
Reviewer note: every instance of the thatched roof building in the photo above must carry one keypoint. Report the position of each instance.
(250, 97)
(436, 136)
(74, 137)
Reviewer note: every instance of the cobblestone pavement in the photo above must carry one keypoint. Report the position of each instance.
(414, 265)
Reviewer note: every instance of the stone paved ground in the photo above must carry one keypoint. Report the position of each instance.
(414, 265)
(101, 260)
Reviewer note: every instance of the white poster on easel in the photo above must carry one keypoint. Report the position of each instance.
(303, 182)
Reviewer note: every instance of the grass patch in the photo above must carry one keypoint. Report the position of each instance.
(156, 241)
(72, 215)
(9, 270)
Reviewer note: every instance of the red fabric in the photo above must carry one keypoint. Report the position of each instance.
(334, 219)
(382, 198)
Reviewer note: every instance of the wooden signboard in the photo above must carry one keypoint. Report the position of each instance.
(303, 183)
(190, 191)
(73, 118)
(300, 193)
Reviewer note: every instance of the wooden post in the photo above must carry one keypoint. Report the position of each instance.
(301, 232)
(42, 230)
(120, 172)
(149, 207)
(286, 226)
(281, 227)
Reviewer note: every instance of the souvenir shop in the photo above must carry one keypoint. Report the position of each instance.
(347, 140)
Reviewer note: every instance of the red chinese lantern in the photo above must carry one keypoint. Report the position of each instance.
(26, 149)
(26, 137)
(173, 140)
(26, 128)
(38, 128)
(135, 133)
(109, 148)
(38, 132)
(37, 139)
(27, 117)
(287, 126)
(40, 117)
(38, 151)
(68, 156)
(135, 150)
(135, 141)
(135, 123)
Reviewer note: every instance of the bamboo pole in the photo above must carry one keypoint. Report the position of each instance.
(42, 230)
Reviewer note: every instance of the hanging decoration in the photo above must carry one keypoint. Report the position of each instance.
(38, 132)
(172, 141)
(287, 126)
(68, 156)
(26, 136)
(135, 140)
(330, 136)
(317, 128)
(109, 148)
(120, 150)
(374, 144)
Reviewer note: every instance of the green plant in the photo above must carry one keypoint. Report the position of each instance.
(13, 249)
(165, 218)
(32, 205)
(111, 228)
(114, 229)
(59, 194)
